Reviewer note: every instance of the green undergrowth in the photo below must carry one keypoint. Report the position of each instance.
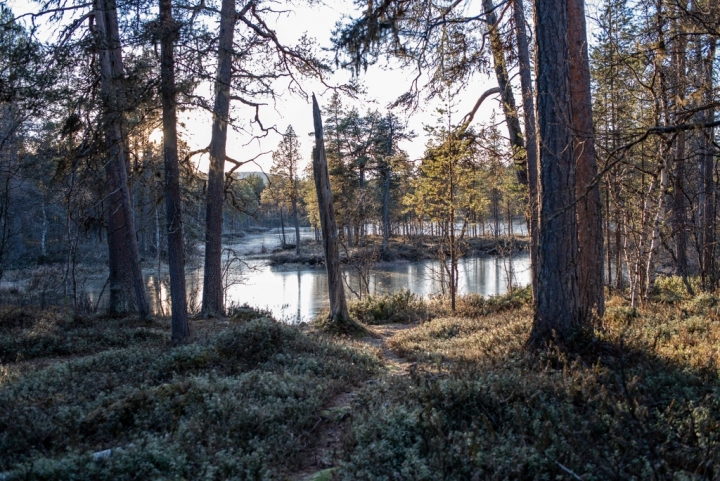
(405, 307)
(27, 333)
(340, 327)
(239, 402)
(400, 307)
(640, 402)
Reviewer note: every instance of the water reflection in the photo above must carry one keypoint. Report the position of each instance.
(300, 293)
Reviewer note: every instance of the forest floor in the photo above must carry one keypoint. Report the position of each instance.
(411, 249)
(426, 394)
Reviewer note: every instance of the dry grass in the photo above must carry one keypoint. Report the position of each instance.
(244, 399)
(641, 401)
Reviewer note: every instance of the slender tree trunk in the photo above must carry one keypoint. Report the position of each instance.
(708, 182)
(212, 282)
(43, 237)
(122, 225)
(530, 136)
(587, 186)
(657, 223)
(679, 218)
(453, 247)
(386, 210)
(338, 305)
(608, 258)
(508, 99)
(297, 227)
(557, 306)
(282, 227)
(173, 200)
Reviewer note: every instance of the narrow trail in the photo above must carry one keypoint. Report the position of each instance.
(322, 455)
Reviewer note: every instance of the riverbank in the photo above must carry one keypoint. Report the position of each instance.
(410, 249)
(454, 396)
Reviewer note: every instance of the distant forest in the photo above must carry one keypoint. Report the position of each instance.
(604, 146)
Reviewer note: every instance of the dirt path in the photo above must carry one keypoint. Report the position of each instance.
(322, 454)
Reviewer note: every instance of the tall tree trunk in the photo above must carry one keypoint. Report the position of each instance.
(679, 217)
(338, 305)
(508, 99)
(557, 304)
(122, 226)
(212, 304)
(587, 186)
(173, 201)
(708, 182)
(530, 136)
(386, 209)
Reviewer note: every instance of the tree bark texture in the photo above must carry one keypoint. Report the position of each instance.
(173, 200)
(530, 136)
(338, 305)
(587, 190)
(111, 70)
(517, 142)
(679, 217)
(386, 208)
(212, 304)
(708, 188)
(557, 303)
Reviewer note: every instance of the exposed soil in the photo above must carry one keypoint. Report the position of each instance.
(322, 454)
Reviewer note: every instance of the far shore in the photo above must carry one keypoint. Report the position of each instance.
(400, 249)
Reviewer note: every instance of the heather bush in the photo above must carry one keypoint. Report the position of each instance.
(639, 402)
(238, 402)
(402, 306)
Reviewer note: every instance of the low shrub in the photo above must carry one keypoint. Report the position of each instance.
(27, 333)
(641, 403)
(240, 402)
(672, 289)
(476, 305)
(402, 306)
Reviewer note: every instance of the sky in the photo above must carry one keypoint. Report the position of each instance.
(383, 85)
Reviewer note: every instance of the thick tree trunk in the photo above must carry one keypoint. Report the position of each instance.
(338, 305)
(508, 99)
(212, 283)
(122, 227)
(557, 306)
(587, 190)
(530, 136)
(173, 201)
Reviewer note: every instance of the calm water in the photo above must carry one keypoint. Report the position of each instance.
(300, 293)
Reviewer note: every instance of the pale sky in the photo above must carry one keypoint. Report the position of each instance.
(382, 86)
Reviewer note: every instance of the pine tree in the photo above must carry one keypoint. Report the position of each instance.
(285, 171)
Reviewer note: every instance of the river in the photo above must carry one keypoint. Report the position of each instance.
(298, 293)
